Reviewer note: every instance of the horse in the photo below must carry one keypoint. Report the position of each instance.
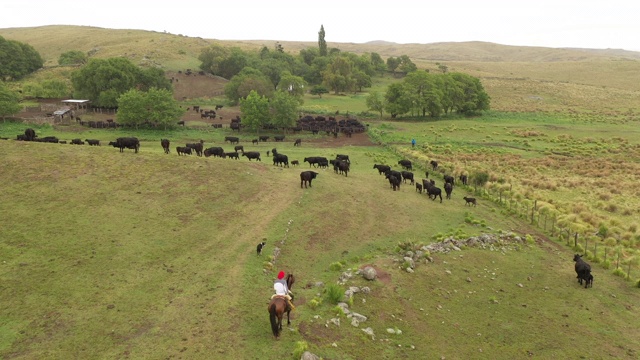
(277, 307)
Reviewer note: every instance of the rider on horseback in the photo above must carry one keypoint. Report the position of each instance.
(281, 289)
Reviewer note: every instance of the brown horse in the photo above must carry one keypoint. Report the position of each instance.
(277, 307)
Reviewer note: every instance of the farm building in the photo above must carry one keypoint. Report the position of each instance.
(79, 107)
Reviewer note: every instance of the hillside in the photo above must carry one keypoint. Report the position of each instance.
(517, 78)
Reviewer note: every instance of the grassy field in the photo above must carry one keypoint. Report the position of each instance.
(110, 255)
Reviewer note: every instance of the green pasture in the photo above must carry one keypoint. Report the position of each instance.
(123, 255)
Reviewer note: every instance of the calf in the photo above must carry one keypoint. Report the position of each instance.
(77, 142)
(233, 155)
(295, 163)
(239, 147)
(419, 188)
(463, 179)
(263, 138)
(306, 177)
(279, 138)
(93, 142)
(298, 142)
(434, 164)
(254, 141)
(281, 159)
(183, 150)
(470, 201)
(197, 147)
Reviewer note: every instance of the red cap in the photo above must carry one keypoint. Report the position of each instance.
(281, 275)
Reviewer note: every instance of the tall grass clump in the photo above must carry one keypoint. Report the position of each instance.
(301, 347)
(334, 293)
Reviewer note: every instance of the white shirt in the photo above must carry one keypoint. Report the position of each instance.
(280, 288)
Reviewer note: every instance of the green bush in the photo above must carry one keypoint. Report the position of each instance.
(606, 264)
(620, 272)
(333, 293)
(301, 347)
(314, 303)
(530, 239)
(335, 266)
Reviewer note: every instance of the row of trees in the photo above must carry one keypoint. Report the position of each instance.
(17, 59)
(258, 111)
(422, 93)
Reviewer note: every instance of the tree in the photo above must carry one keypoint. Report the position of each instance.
(72, 57)
(156, 106)
(322, 44)
(338, 75)
(479, 178)
(375, 102)
(361, 79)
(395, 102)
(222, 61)
(406, 65)
(319, 90)
(474, 97)
(9, 102)
(49, 89)
(377, 62)
(273, 69)
(103, 80)
(255, 111)
(244, 82)
(293, 85)
(284, 109)
(392, 64)
(17, 59)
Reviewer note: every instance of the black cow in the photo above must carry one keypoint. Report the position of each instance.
(233, 155)
(306, 177)
(469, 201)
(254, 141)
(263, 138)
(341, 166)
(583, 270)
(407, 175)
(343, 157)
(77, 142)
(126, 142)
(406, 164)
(419, 188)
(218, 107)
(252, 155)
(181, 122)
(434, 191)
(382, 168)
(463, 179)
(279, 138)
(30, 134)
(298, 142)
(393, 181)
(448, 188)
(239, 147)
(215, 151)
(183, 150)
(434, 164)
(165, 145)
(448, 179)
(197, 147)
(93, 142)
(315, 160)
(48, 139)
(295, 163)
(231, 139)
(274, 151)
(281, 159)
(395, 173)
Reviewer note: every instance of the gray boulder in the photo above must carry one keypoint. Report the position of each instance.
(369, 273)
(309, 356)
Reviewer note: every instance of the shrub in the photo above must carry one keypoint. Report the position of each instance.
(301, 347)
(314, 303)
(638, 283)
(620, 272)
(335, 266)
(606, 264)
(334, 293)
(530, 239)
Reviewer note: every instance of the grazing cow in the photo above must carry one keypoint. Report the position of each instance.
(469, 201)
(239, 147)
(323, 163)
(583, 270)
(77, 142)
(315, 160)
(218, 107)
(48, 139)
(343, 158)
(183, 150)
(382, 168)
(295, 163)
(63, 142)
(306, 177)
(181, 122)
(406, 164)
(341, 166)
(254, 141)
(463, 179)
(434, 164)
(165, 145)
(448, 188)
(260, 247)
(231, 139)
(281, 159)
(30, 134)
(279, 138)
(419, 188)
(434, 191)
(298, 142)
(93, 142)
(274, 151)
(393, 181)
(197, 147)
(215, 151)
(407, 175)
(252, 155)
(126, 142)
(233, 155)
(263, 138)
(449, 179)
(395, 173)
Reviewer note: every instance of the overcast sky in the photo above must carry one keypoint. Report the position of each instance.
(558, 23)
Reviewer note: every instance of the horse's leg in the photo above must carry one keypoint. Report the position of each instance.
(288, 321)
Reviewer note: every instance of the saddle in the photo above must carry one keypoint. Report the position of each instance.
(284, 297)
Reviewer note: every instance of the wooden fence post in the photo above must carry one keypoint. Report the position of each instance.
(575, 240)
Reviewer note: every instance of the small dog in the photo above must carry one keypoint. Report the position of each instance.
(260, 246)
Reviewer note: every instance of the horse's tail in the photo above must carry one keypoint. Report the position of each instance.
(274, 322)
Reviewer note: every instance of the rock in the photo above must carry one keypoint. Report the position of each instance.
(344, 307)
(319, 284)
(355, 322)
(369, 331)
(365, 290)
(309, 356)
(520, 285)
(369, 273)
(391, 331)
(468, 279)
(360, 317)
(110, 306)
(448, 272)
(410, 261)
(334, 344)
(409, 270)
(409, 254)
(335, 321)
